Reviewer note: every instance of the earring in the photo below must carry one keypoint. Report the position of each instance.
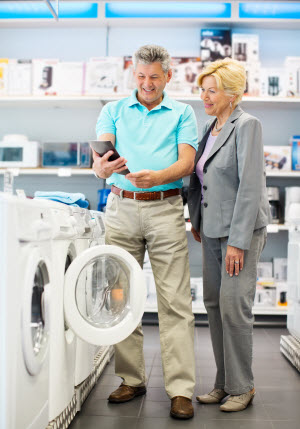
(230, 104)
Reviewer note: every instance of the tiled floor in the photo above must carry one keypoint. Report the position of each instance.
(276, 404)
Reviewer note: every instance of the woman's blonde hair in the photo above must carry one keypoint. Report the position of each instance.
(230, 76)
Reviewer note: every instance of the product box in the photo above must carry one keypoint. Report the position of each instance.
(3, 76)
(278, 158)
(265, 269)
(295, 143)
(280, 269)
(253, 78)
(197, 289)
(265, 296)
(104, 75)
(272, 82)
(215, 44)
(185, 71)
(44, 77)
(19, 77)
(292, 67)
(245, 47)
(128, 77)
(69, 78)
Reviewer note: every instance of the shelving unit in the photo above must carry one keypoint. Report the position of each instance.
(98, 100)
(198, 308)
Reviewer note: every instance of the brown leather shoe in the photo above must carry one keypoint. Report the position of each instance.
(126, 393)
(181, 408)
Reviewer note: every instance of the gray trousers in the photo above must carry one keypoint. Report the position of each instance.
(228, 301)
(160, 225)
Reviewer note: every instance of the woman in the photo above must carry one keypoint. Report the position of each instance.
(229, 212)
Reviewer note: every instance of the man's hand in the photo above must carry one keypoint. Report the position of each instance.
(196, 235)
(144, 178)
(234, 260)
(104, 168)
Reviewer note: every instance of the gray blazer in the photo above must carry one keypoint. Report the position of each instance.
(234, 182)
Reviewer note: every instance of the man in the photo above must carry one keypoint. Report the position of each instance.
(156, 138)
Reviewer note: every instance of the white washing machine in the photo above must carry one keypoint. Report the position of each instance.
(62, 401)
(293, 318)
(25, 298)
(98, 223)
(85, 352)
(290, 344)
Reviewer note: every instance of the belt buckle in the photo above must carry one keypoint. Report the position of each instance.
(121, 194)
(161, 195)
(134, 195)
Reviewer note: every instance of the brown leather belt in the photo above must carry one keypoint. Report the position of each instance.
(145, 196)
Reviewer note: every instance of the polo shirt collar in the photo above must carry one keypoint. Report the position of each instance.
(166, 102)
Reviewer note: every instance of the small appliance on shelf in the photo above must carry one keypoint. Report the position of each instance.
(71, 154)
(273, 197)
(17, 151)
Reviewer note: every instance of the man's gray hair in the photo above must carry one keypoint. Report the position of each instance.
(149, 54)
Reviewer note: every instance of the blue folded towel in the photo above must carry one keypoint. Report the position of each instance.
(76, 200)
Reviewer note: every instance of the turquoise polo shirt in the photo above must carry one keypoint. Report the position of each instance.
(148, 139)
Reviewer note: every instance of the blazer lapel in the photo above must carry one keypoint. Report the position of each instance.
(226, 131)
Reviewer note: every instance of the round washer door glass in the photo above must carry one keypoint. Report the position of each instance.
(105, 294)
(103, 291)
(35, 313)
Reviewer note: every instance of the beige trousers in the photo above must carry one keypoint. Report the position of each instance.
(160, 226)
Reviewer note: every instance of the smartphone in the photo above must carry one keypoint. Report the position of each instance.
(101, 147)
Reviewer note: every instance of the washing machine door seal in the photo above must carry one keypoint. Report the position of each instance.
(35, 311)
(104, 295)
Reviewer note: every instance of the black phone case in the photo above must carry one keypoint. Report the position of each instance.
(101, 147)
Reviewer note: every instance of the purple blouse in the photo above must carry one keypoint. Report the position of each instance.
(200, 164)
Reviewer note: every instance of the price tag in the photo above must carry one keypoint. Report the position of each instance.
(64, 172)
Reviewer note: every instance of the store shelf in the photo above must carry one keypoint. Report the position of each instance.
(272, 228)
(61, 172)
(198, 308)
(284, 174)
(97, 100)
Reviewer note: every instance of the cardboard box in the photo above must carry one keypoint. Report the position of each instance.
(265, 269)
(280, 269)
(265, 296)
(185, 71)
(292, 67)
(104, 75)
(19, 77)
(3, 76)
(253, 79)
(197, 289)
(245, 47)
(44, 77)
(215, 44)
(295, 142)
(70, 78)
(278, 158)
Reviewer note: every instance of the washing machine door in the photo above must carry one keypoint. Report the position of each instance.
(35, 312)
(104, 295)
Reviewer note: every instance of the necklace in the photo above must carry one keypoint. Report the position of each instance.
(218, 129)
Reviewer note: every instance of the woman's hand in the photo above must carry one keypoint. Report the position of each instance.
(196, 235)
(234, 260)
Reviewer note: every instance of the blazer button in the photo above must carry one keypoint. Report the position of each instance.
(204, 187)
(205, 204)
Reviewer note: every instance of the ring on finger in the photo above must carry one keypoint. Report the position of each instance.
(236, 262)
